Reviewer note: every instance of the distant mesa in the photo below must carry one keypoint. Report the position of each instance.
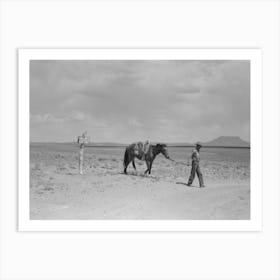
(227, 141)
(222, 141)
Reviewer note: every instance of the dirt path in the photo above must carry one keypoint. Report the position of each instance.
(118, 196)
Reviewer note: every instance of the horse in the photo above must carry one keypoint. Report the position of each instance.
(133, 151)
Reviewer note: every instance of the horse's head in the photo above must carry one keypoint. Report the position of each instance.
(162, 148)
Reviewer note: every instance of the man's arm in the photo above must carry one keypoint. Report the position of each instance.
(190, 158)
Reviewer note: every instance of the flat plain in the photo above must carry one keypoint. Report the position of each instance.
(58, 191)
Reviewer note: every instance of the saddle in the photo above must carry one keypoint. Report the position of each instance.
(140, 148)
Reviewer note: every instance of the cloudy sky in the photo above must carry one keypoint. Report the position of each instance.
(126, 101)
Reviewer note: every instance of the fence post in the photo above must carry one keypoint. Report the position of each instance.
(81, 158)
(82, 140)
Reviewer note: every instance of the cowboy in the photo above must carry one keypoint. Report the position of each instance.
(195, 166)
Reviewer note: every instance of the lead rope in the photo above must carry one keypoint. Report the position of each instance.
(178, 162)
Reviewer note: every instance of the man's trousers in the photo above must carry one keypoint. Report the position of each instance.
(196, 169)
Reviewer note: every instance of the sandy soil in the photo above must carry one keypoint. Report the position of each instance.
(57, 191)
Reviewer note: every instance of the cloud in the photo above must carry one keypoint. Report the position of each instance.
(50, 118)
(122, 100)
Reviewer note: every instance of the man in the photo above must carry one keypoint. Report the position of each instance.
(195, 166)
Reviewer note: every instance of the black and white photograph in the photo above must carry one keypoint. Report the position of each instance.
(140, 139)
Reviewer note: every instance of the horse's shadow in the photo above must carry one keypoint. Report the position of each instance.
(141, 175)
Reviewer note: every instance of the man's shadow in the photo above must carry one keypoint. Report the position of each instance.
(185, 184)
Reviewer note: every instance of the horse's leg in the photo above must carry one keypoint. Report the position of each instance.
(133, 163)
(148, 167)
(127, 165)
(126, 161)
(151, 163)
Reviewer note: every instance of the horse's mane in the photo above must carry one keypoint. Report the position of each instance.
(161, 144)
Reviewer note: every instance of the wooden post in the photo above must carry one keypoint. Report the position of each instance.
(82, 140)
(81, 158)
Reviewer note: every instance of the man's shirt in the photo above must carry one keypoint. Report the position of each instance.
(195, 155)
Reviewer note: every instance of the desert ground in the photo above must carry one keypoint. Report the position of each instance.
(58, 191)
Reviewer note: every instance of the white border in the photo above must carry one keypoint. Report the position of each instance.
(254, 224)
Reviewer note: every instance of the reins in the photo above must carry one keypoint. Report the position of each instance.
(178, 162)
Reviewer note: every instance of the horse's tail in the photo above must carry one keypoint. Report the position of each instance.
(126, 158)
